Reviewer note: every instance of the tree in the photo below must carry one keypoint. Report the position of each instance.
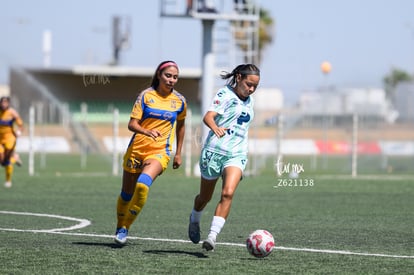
(266, 28)
(265, 33)
(392, 80)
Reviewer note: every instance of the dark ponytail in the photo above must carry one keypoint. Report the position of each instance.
(243, 70)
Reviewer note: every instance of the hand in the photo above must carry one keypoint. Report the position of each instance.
(220, 131)
(154, 133)
(177, 161)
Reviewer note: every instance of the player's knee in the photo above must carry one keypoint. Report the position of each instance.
(227, 195)
(203, 199)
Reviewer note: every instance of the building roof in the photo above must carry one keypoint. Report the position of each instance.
(114, 71)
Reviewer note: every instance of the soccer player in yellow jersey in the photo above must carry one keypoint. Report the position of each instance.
(9, 118)
(157, 120)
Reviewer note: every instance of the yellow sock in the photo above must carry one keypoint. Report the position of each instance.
(121, 211)
(137, 203)
(12, 160)
(9, 172)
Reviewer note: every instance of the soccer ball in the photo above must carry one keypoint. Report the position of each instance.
(260, 243)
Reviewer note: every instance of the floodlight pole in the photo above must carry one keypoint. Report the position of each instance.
(207, 78)
(208, 17)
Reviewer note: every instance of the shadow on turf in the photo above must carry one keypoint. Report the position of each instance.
(161, 252)
(158, 252)
(111, 245)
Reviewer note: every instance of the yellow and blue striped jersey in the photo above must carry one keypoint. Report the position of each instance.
(157, 112)
(8, 118)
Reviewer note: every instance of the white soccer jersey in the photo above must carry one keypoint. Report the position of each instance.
(235, 115)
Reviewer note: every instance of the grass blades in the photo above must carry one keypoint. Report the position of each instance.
(314, 226)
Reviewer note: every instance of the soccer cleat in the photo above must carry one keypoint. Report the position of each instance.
(209, 244)
(8, 184)
(194, 231)
(121, 236)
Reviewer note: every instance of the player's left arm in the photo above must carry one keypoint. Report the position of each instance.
(180, 132)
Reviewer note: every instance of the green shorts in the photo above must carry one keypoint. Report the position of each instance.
(212, 164)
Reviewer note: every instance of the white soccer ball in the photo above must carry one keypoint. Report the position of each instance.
(260, 243)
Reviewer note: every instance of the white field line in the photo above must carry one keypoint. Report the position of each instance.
(83, 223)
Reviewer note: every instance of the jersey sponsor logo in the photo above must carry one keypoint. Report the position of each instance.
(154, 114)
(167, 115)
(244, 117)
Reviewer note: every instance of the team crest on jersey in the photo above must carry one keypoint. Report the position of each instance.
(173, 104)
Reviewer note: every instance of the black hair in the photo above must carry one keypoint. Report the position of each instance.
(243, 70)
(155, 81)
(5, 98)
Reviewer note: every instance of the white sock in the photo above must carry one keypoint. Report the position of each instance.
(216, 226)
(196, 216)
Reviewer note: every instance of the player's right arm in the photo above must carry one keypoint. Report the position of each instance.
(135, 121)
(134, 125)
(209, 121)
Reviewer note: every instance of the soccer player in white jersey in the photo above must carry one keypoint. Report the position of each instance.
(224, 152)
